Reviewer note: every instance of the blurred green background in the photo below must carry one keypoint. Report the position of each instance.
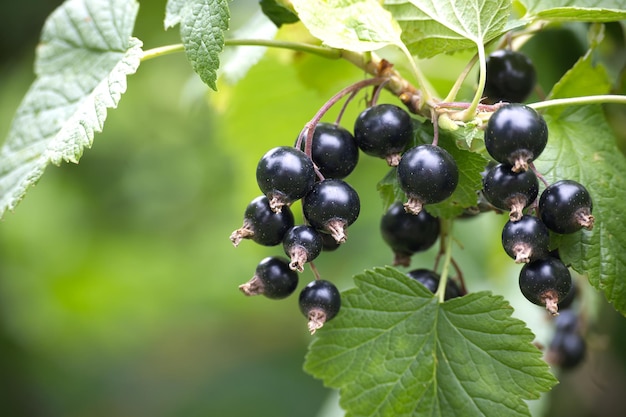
(118, 283)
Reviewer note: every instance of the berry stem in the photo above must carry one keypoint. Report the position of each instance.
(315, 271)
(309, 128)
(446, 237)
(470, 112)
(597, 99)
(459, 81)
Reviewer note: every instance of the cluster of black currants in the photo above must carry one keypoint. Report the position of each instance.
(515, 136)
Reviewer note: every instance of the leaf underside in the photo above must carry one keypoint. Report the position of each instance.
(86, 52)
(202, 27)
(394, 350)
(576, 10)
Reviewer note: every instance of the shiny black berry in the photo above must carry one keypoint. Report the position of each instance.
(262, 225)
(285, 174)
(516, 135)
(545, 282)
(427, 174)
(510, 191)
(430, 279)
(511, 76)
(333, 150)
(302, 244)
(384, 131)
(319, 301)
(331, 206)
(565, 207)
(526, 240)
(273, 278)
(407, 233)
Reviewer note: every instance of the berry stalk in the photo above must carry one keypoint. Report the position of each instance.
(446, 239)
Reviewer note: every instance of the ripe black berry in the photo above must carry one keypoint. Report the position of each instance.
(511, 191)
(331, 206)
(407, 233)
(565, 207)
(263, 225)
(285, 174)
(333, 150)
(516, 135)
(526, 240)
(427, 174)
(430, 279)
(545, 282)
(273, 278)
(329, 244)
(568, 347)
(319, 301)
(384, 131)
(511, 76)
(302, 244)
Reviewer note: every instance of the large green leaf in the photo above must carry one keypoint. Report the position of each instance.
(431, 27)
(354, 25)
(202, 26)
(394, 350)
(86, 52)
(582, 147)
(580, 10)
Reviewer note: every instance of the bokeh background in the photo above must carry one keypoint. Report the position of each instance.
(118, 283)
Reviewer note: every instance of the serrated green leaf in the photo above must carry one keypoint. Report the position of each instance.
(433, 27)
(470, 166)
(202, 27)
(576, 10)
(354, 25)
(394, 350)
(582, 147)
(86, 52)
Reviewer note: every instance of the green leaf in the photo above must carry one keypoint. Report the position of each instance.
(86, 52)
(202, 26)
(470, 166)
(433, 27)
(354, 25)
(394, 350)
(576, 10)
(277, 13)
(582, 147)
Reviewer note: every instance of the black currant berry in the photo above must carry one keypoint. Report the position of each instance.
(329, 244)
(262, 225)
(302, 244)
(331, 206)
(273, 278)
(511, 76)
(565, 207)
(516, 135)
(430, 279)
(319, 301)
(567, 350)
(569, 299)
(333, 150)
(407, 233)
(427, 174)
(545, 282)
(526, 240)
(511, 191)
(384, 131)
(568, 347)
(285, 174)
